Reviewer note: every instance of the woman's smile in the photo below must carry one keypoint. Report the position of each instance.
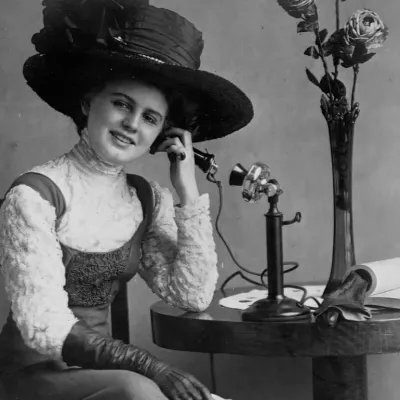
(122, 139)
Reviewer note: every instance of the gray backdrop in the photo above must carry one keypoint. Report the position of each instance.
(255, 44)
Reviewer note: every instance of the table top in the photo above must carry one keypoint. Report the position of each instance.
(221, 330)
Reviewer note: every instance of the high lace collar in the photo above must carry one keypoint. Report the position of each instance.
(88, 159)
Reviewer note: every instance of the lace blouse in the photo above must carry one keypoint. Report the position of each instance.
(178, 263)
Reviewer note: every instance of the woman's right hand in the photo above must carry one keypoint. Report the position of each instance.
(178, 385)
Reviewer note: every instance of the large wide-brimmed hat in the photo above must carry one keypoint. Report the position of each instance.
(85, 42)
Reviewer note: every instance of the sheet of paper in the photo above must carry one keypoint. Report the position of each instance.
(384, 276)
(242, 301)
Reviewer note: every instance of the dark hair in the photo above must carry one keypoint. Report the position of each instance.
(183, 108)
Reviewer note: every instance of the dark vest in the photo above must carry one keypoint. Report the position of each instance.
(93, 280)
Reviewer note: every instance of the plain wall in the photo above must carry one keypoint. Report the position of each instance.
(255, 44)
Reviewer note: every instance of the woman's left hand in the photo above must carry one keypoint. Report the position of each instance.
(182, 172)
(179, 385)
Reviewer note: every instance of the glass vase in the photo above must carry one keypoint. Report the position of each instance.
(341, 122)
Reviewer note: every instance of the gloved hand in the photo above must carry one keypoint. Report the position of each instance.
(178, 385)
(84, 347)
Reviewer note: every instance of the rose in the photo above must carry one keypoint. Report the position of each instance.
(365, 27)
(364, 30)
(295, 5)
(299, 8)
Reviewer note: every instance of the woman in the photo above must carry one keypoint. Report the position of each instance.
(76, 228)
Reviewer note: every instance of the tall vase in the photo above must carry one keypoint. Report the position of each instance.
(341, 122)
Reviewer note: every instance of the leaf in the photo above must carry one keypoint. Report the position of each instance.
(322, 36)
(345, 64)
(305, 26)
(326, 50)
(326, 83)
(302, 27)
(365, 58)
(312, 51)
(346, 58)
(309, 51)
(325, 103)
(311, 77)
(359, 51)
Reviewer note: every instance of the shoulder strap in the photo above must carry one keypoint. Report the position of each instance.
(119, 307)
(47, 189)
(145, 195)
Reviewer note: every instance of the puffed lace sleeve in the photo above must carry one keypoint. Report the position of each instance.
(31, 263)
(179, 261)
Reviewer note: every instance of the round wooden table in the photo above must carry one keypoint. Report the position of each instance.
(338, 354)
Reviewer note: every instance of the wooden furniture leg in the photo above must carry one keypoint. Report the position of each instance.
(340, 378)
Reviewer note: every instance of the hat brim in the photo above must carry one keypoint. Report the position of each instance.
(62, 80)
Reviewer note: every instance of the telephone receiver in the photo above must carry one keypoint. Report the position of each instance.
(204, 160)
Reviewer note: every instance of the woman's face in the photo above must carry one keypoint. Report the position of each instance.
(124, 119)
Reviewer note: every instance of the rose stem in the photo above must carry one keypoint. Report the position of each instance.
(356, 69)
(321, 54)
(335, 59)
(337, 15)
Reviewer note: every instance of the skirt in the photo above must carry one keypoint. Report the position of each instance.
(47, 381)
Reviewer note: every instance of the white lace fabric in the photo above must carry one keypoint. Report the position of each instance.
(34, 275)
(179, 261)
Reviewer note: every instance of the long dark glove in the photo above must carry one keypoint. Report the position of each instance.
(86, 348)
(345, 302)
